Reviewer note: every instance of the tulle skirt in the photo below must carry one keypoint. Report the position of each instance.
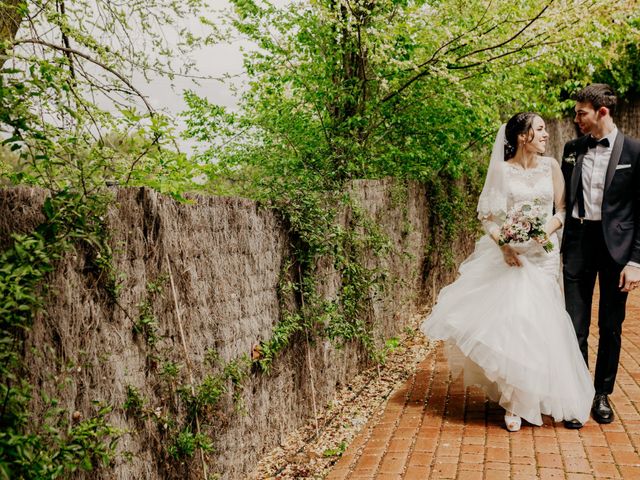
(507, 329)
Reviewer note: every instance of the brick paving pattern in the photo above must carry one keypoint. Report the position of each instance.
(432, 428)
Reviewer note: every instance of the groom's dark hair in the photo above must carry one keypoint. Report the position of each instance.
(598, 95)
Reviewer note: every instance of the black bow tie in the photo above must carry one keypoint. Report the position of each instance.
(592, 142)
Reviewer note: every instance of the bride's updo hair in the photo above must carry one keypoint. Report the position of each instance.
(518, 124)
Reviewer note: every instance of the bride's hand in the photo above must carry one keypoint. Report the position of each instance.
(510, 256)
(543, 239)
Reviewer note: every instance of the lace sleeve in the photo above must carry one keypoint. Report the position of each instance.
(490, 227)
(558, 192)
(561, 217)
(492, 203)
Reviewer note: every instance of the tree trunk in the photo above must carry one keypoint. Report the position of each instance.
(10, 18)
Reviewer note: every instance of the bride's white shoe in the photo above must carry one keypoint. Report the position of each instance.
(512, 422)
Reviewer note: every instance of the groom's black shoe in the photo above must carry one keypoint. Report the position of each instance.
(572, 424)
(601, 410)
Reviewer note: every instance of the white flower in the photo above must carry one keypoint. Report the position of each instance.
(570, 159)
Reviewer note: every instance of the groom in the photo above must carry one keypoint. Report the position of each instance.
(602, 232)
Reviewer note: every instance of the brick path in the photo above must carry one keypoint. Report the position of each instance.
(431, 428)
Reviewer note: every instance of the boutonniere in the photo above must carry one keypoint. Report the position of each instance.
(570, 159)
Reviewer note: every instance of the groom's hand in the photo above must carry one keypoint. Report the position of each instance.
(629, 278)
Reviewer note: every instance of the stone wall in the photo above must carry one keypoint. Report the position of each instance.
(226, 257)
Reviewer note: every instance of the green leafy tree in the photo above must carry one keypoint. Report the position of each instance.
(345, 89)
(69, 78)
(73, 121)
(350, 89)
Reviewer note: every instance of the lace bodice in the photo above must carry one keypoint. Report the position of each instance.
(530, 185)
(525, 185)
(508, 185)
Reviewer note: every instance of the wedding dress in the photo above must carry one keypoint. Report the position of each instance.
(506, 327)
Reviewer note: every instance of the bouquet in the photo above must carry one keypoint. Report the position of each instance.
(525, 222)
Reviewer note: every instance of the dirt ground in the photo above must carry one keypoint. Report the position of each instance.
(310, 452)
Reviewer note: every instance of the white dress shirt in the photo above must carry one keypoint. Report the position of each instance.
(594, 173)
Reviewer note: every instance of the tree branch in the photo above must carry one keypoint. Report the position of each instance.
(502, 55)
(65, 40)
(78, 53)
(156, 138)
(425, 72)
(11, 14)
(457, 37)
(509, 40)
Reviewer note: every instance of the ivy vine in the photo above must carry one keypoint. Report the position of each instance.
(59, 443)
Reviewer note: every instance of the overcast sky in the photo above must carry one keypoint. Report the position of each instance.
(215, 61)
(211, 61)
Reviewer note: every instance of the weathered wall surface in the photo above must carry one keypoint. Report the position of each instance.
(226, 256)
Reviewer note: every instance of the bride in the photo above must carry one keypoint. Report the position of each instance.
(503, 320)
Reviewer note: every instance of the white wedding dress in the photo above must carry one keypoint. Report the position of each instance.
(507, 327)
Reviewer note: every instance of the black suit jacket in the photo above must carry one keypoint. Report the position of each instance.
(621, 200)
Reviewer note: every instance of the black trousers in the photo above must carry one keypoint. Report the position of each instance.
(585, 257)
